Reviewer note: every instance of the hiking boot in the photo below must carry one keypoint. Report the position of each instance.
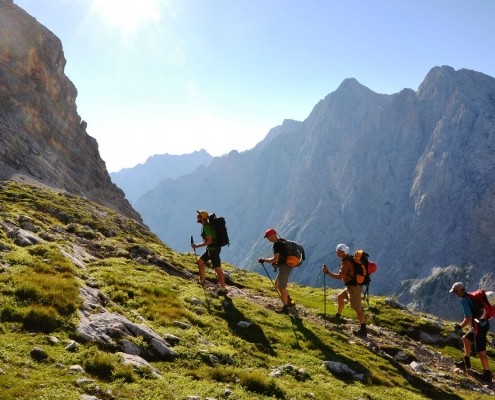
(222, 292)
(465, 363)
(283, 310)
(291, 303)
(487, 376)
(360, 332)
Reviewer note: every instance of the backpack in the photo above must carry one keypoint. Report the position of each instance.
(220, 228)
(363, 267)
(480, 306)
(295, 253)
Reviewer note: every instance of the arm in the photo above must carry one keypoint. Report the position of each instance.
(208, 240)
(326, 271)
(466, 321)
(468, 313)
(271, 260)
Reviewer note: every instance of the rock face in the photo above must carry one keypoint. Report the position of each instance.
(43, 139)
(409, 177)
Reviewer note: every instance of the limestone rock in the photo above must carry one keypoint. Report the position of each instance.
(43, 139)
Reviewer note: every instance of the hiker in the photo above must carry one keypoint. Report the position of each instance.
(352, 291)
(212, 252)
(278, 260)
(476, 335)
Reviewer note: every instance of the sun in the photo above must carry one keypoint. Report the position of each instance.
(127, 17)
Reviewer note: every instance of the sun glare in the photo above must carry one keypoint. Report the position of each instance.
(127, 16)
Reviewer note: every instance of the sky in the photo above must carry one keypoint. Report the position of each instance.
(177, 76)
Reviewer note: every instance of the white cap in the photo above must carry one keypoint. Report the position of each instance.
(455, 286)
(343, 248)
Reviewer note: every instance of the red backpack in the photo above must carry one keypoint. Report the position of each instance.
(480, 306)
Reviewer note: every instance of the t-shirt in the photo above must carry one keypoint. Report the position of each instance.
(468, 311)
(209, 231)
(278, 247)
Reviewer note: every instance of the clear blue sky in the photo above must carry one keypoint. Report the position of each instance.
(175, 76)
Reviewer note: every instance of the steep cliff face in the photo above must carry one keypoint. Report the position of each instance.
(410, 177)
(43, 138)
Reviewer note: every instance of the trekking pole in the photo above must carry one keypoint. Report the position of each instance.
(325, 298)
(202, 282)
(280, 296)
(273, 283)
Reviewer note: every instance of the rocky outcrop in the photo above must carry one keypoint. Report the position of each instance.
(43, 138)
(109, 329)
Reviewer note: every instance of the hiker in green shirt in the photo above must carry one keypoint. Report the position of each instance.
(212, 252)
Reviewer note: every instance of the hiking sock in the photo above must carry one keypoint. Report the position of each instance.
(467, 362)
(338, 316)
(363, 328)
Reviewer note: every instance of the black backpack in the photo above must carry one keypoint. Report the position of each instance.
(294, 251)
(220, 227)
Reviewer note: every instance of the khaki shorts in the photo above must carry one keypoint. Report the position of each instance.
(283, 274)
(354, 292)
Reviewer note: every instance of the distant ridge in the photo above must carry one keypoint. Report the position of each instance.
(138, 180)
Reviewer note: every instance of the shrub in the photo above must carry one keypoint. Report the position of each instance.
(11, 314)
(99, 364)
(258, 383)
(124, 373)
(40, 319)
(27, 292)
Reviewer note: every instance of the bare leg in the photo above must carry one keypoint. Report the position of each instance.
(285, 296)
(220, 276)
(467, 346)
(201, 269)
(484, 360)
(341, 298)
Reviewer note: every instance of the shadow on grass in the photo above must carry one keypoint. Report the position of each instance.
(427, 389)
(252, 333)
(328, 354)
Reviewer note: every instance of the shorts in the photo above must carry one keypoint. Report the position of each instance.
(479, 339)
(212, 254)
(283, 276)
(355, 293)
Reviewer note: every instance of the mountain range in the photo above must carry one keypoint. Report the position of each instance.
(138, 180)
(409, 177)
(94, 306)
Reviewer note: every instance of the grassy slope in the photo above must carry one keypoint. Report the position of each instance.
(38, 299)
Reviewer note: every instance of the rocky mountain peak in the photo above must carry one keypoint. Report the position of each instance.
(408, 176)
(43, 138)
